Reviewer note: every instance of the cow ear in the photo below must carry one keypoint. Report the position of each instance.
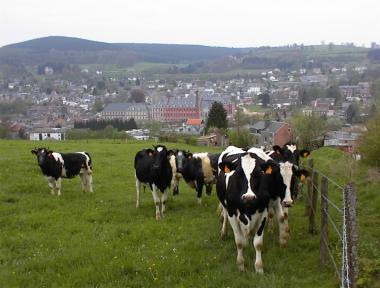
(34, 151)
(267, 167)
(170, 152)
(304, 153)
(302, 173)
(278, 149)
(226, 167)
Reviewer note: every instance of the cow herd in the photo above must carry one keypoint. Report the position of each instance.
(252, 184)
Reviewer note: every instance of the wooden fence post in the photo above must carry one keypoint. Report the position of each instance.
(350, 264)
(324, 236)
(314, 200)
(308, 188)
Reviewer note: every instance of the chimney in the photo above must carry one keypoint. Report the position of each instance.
(197, 104)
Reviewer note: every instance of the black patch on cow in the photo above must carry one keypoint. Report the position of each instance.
(262, 226)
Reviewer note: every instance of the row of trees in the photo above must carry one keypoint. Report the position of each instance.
(102, 124)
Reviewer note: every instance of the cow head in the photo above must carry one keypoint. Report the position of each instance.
(288, 159)
(42, 155)
(181, 156)
(160, 155)
(245, 172)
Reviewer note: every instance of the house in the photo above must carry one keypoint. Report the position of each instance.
(126, 111)
(216, 138)
(270, 133)
(361, 91)
(192, 126)
(47, 134)
(346, 141)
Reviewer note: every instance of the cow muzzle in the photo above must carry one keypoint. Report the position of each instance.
(288, 203)
(248, 197)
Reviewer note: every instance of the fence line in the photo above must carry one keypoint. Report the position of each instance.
(347, 233)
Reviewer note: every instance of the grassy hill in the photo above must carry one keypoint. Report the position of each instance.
(70, 50)
(102, 240)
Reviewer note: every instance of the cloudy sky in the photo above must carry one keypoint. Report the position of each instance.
(231, 23)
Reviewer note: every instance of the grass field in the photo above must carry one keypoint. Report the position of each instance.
(102, 240)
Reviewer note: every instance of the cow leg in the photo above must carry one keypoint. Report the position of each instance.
(286, 220)
(51, 183)
(83, 181)
(156, 200)
(270, 220)
(258, 243)
(164, 199)
(199, 188)
(90, 182)
(281, 222)
(240, 241)
(175, 185)
(138, 191)
(224, 215)
(208, 188)
(59, 186)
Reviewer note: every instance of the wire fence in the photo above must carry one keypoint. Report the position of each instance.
(337, 226)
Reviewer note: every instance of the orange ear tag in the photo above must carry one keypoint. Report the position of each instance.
(303, 178)
(150, 154)
(305, 154)
(226, 169)
(269, 170)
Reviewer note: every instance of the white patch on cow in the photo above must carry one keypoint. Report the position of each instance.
(58, 157)
(286, 173)
(159, 149)
(230, 150)
(228, 175)
(206, 166)
(260, 153)
(248, 164)
(292, 148)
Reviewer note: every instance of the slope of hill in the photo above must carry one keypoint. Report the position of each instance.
(80, 51)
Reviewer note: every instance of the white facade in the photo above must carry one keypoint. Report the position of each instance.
(38, 136)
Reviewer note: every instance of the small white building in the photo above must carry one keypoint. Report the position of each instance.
(47, 134)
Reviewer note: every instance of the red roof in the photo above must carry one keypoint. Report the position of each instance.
(195, 122)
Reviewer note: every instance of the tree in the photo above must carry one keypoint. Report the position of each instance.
(309, 131)
(265, 99)
(137, 96)
(334, 92)
(353, 113)
(217, 116)
(369, 147)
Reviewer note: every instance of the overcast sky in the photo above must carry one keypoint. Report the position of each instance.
(231, 23)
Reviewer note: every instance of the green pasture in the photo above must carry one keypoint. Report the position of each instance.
(102, 240)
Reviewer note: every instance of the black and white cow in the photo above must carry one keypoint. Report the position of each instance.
(198, 170)
(55, 165)
(288, 159)
(243, 187)
(152, 168)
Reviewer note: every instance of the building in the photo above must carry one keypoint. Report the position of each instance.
(126, 111)
(270, 133)
(346, 141)
(361, 91)
(47, 134)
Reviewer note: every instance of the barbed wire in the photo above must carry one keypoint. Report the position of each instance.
(332, 204)
(333, 224)
(332, 259)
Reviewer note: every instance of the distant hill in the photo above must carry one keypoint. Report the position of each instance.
(58, 51)
(81, 51)
(61, 43)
